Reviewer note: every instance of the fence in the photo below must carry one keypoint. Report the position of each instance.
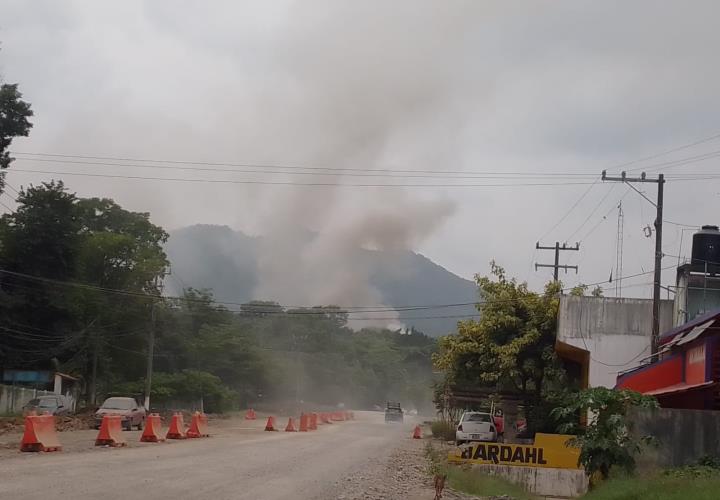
(13, 398)
(683, 436)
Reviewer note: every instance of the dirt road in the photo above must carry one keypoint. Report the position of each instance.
(343, 460)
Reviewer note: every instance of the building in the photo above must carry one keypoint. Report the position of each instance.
(599, 337)
(686, 371)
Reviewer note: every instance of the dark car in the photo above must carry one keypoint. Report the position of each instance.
(133, 415)
(53, 404)
(393, 412)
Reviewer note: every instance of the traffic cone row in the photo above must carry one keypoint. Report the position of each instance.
(307, 421)
(40, 433)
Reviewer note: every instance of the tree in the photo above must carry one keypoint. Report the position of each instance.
(510, 349)
(14, 114)
(606, 441)
(581, 289)
(68, 257)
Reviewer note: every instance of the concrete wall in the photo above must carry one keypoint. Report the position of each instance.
(616, 332)
(12, 399)
(683, 436)
(555, 483)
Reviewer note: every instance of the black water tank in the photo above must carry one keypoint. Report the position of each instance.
(706, 249)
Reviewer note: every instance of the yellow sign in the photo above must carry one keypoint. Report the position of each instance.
(549, 450)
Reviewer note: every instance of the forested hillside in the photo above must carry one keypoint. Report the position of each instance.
(226, 262)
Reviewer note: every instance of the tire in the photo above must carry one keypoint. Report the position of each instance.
(128, 426)
(140, 424)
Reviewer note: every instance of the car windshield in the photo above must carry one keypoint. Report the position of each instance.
(477, 417)
(117, 404)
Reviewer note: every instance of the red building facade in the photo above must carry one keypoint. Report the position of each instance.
(687, 373)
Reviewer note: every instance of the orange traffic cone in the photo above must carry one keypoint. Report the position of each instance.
(250, 415)
(177, 427)
(417, 433)
(270, 426)
(303, 423)
(313, 422)
(290, 426)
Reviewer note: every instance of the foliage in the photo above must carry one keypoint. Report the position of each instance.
(581, 289)
(658, 487)
(510, 349)
(80, 292)
(14, 114)
(443, 429)
(472, 481)
(606, 440)
(96, 246)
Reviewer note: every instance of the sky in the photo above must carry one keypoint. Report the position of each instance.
(287, 91)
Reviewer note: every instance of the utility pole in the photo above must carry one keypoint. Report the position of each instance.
(557, 266)
(151, 343)
(660, 181)
(150, 354)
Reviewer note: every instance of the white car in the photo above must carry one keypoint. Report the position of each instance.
(475, 426)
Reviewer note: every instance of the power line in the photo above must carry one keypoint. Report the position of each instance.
(666, 152)
(286, 310)
(354, 172)
(292, 183)
(574, 205)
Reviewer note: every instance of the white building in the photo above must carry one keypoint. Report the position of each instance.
(597, 337)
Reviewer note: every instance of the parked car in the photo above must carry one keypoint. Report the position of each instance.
(53, 404)
(393, 412)
(476, 426)
(133, 415)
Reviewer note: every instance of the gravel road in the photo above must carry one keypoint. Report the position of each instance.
(365, 458)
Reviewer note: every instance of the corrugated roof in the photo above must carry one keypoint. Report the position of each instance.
(667, 336)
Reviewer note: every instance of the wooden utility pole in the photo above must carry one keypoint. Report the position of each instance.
(557, 266)
(150, 354)
(660, 181)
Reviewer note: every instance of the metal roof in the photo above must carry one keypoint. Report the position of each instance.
(703, 318)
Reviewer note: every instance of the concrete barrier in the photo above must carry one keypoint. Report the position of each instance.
(563, 483)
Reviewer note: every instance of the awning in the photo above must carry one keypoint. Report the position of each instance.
(676, 388)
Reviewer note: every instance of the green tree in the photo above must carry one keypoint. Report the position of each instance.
(64, 257)
(14, 114)
(606, 441)
(510, 349)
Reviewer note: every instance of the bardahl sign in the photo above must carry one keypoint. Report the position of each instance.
(548, 450)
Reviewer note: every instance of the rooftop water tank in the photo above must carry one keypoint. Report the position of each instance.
(706, 249)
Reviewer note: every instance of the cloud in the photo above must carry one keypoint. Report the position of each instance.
(538, 86)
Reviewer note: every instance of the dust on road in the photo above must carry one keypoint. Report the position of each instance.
(356, 459)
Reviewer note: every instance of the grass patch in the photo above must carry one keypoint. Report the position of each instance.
(473, 482)
(476, 483)
(671, 485)
(442, 429)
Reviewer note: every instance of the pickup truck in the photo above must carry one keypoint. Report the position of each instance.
(393, 412)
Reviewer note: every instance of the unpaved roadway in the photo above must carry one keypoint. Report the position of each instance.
(345, 460)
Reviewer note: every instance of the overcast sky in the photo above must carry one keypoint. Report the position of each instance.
(556, 87)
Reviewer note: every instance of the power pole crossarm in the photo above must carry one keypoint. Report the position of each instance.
(557, 266)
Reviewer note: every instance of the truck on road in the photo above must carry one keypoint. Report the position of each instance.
(393, 412)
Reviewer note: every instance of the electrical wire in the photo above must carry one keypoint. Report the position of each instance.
(293, 183)
(434, 174)
(281, 166)
(663, 153)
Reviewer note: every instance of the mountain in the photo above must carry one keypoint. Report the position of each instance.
(227, 262)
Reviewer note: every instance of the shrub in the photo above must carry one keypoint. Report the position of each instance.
(443, 429)
(606, 441)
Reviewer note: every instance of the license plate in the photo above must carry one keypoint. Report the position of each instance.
(474, 436)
